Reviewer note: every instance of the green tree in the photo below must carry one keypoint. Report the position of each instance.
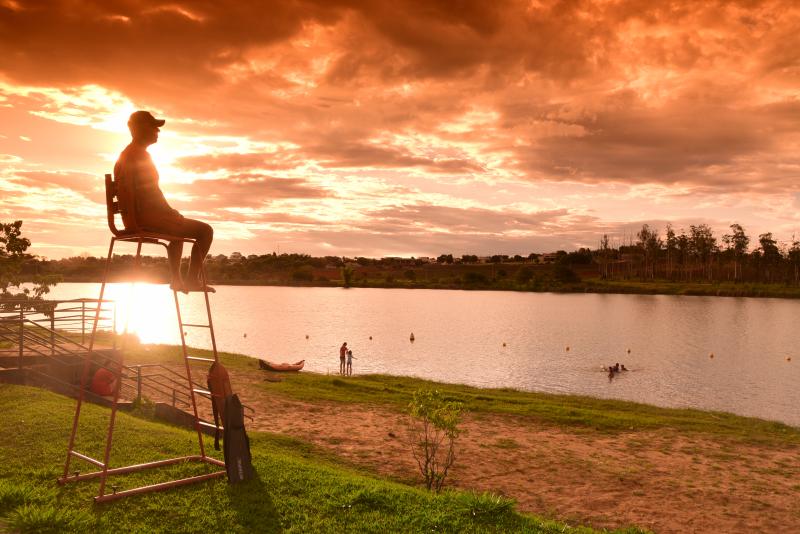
(702, 245)
(671, 247)
(524, 275)
(347, 275)
(737, 242)
(794, 259)
(650, 243)
(770, 254)
(434, 430)
(602, 256)
(13, 256)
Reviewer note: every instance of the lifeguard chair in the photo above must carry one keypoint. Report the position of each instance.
(140, 237)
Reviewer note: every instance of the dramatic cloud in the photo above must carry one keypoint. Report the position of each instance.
(410, 126)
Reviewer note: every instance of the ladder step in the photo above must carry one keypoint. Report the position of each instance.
(209, 425)
(199, 359)
(196, 325)
(87, 458)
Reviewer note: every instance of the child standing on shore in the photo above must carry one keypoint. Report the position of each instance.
(349, 363)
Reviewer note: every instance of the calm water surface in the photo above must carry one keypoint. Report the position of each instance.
(459, 337)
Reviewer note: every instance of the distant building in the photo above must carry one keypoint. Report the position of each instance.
(484, 259)
(236, 256)
(549, 257)
(425, 259)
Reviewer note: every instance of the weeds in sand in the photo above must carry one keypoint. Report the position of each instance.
(506, 443)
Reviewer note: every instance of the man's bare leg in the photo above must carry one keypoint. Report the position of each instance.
(174, 253)
(203, 234)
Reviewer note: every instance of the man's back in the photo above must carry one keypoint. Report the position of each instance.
(140, 198)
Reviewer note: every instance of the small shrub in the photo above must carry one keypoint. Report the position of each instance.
(473, 278)
(564, 274)
(506, 443)
(524, 275)
(434, 429)
(304, 273)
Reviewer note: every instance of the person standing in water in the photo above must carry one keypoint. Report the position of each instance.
(342, 354)
(144, 208)
(350, 363)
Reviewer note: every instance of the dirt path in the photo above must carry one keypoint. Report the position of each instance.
(658, 480)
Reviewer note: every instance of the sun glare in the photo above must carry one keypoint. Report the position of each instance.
(148, 311)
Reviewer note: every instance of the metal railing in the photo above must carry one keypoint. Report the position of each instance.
(56, 332)
(67, 322)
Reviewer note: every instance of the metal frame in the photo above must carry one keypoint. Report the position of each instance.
(105, 471)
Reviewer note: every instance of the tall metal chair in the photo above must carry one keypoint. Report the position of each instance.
(133, 233)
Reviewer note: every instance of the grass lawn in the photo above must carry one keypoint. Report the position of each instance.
(299, 489)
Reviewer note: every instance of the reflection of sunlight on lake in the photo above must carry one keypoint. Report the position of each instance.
(152, 311)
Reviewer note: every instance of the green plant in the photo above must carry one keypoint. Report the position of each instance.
(347, 275)
(434, 429)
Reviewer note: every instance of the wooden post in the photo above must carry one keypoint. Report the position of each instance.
(139, 384)
(53, 330)
(113, 325)
(83, 323)
(21, 334)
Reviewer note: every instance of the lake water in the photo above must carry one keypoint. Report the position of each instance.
(460, 337)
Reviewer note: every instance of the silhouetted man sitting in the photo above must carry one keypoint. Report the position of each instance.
(144, 207)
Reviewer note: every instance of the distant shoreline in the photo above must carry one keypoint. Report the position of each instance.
(592, 285)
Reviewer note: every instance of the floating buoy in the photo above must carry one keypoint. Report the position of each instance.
(244, 335)
(306, 336)
(412, 336)
(711, 355)
(504, 343)
(370, 338)
(629, 351)
(567, 348)
(788, 358)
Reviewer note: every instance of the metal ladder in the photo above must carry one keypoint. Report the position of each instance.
(104, 470)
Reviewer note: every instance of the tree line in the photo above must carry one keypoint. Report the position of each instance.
(700, 256)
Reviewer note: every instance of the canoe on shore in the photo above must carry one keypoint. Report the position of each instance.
(279, 367)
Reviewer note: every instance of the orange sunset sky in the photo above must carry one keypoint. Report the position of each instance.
(406, 127)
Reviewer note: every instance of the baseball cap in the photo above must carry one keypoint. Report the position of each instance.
(142, 118)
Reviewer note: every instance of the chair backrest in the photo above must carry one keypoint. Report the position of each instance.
(112, 204)
(113, 207)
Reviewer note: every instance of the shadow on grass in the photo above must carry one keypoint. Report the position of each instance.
(253, 506)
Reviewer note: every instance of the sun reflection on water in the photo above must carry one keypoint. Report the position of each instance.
(147, 310)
